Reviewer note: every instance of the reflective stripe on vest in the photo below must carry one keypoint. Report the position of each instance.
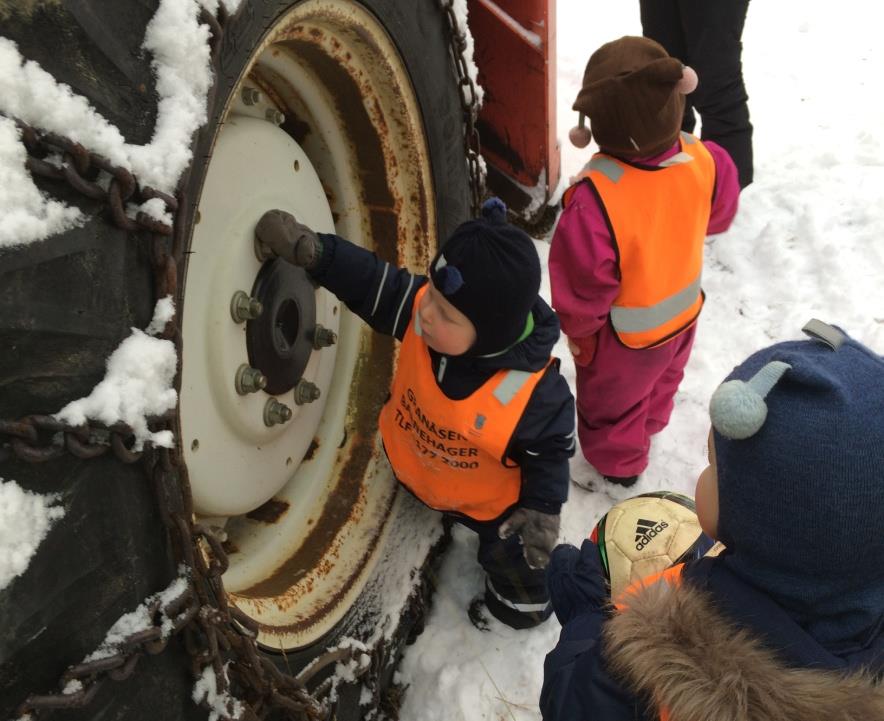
(658, 217)
(639, 320)
(450, 453)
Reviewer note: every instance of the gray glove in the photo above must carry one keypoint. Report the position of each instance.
(279, 234)
(538, 531)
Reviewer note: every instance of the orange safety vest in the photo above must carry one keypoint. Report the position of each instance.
(451, 453)
(672, 576)
(658, 219)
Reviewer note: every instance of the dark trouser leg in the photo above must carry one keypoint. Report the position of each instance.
(661, 21)
(713, 32)
(515, 593)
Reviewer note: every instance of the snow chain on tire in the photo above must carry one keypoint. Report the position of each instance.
(469, 101)
(214, 632)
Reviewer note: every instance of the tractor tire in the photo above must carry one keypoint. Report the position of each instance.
(68, 301)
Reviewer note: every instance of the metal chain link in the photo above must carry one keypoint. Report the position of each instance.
(214, 632)
(469, 100)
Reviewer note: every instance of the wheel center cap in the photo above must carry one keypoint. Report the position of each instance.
(280, 340)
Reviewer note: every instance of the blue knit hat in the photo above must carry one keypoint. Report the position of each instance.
(799, 443)
(490, 271)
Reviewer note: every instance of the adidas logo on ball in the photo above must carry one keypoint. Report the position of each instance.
(624, 534)
(645, 531)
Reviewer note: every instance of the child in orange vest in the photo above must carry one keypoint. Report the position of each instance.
(626, 258)
(787, 622)
(479, 423)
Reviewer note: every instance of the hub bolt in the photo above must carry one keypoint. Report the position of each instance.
(251, 96)
(274, 116)
(249, 380)
(276, 412)
(323, 337)
(244, 308)
(306, 392)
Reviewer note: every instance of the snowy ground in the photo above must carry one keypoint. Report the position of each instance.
(806, 243)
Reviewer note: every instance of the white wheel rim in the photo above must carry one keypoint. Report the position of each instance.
(304, 534)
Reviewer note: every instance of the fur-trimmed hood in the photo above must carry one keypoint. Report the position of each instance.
(673, 647)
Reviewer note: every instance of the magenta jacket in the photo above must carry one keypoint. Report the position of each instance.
(582, 260)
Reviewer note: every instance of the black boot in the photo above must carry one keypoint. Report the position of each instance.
(625, 481)
(477, 612)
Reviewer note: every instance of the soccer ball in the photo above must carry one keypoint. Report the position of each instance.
(647, 534)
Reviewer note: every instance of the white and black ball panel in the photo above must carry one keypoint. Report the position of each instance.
(646, 534)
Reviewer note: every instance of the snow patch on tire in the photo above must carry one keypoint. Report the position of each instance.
(179, 44)
(27, 213)
(221, 704)
(25, 520)
(138, 385)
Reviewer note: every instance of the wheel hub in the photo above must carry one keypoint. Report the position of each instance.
(280, 339)
(234, 369)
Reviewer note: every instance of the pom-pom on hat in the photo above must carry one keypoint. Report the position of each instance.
(799, 443)
(580, 135)
(490, 271)
(633, 94)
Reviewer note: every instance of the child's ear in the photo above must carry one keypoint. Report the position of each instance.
(706, 499)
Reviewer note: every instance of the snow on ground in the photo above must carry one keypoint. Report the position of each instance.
(807, 243)
(25, 519)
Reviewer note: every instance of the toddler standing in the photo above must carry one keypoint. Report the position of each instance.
(626, 258)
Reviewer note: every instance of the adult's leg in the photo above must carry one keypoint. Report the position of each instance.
(713, 32)
(661, 21)
(661, 401)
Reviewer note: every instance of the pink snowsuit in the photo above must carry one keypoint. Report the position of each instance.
(624, 396)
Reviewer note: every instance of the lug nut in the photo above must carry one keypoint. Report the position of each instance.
(276, 412)
(323, 337)
(274, 116)
(251, 96)
(243, 307)
(306, 392)
(249, 380)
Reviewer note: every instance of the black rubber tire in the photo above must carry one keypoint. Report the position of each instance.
(68, 301)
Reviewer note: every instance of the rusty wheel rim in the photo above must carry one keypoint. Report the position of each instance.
(302, 549)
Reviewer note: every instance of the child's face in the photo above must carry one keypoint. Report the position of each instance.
(445, 329)
(706, 495)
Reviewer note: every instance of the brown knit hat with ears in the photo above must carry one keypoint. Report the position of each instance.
(633, 94)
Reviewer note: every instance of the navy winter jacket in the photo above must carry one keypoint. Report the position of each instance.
(703, 649)
(383, 296)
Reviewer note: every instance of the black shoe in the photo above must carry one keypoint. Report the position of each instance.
(477, 613)
(625, 481)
